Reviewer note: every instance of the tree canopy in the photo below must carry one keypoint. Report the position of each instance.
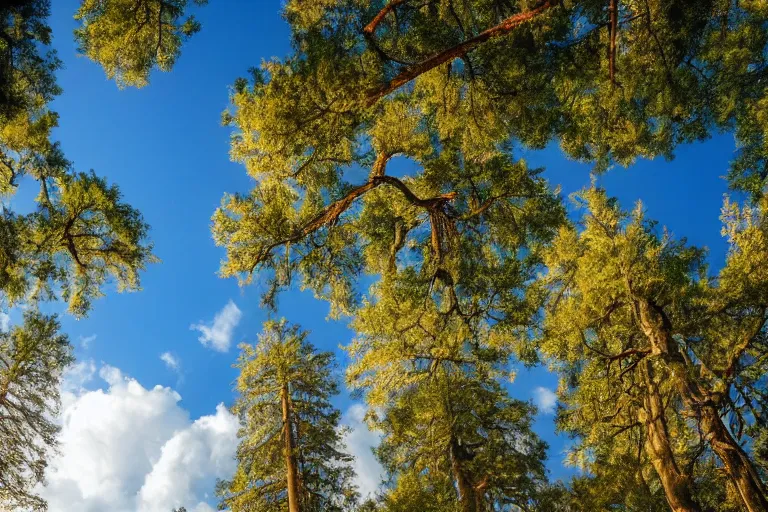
(385, 149)
(291, 454)
(129, 38)
(384, 146)
(661, 362)
(33, 356)
(78, 237)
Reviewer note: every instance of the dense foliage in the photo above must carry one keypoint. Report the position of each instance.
(77, 237)
(291, 450)
(129, 38)
(663, 365)
(384, 147)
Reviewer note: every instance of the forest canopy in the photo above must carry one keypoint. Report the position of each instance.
(386, 156)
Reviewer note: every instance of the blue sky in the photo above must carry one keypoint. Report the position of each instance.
(164, 145)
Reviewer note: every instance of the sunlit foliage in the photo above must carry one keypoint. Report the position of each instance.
(129, 38)
(291, 454)
(77, 237)
(663, 365)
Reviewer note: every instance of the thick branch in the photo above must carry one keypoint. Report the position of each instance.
(457, 51)
(428, 203)
(742, 347)
(332, 212)
(370, 28)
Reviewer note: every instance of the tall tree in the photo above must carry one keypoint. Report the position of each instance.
(78, 237)
(452, 238)
(129, 38)
(455, 440)
(291, 452)
(649, 342)
(32, 359)
(609, 79)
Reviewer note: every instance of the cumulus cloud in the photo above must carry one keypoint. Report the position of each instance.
(218, 334)
(127, 448)
(545, 399)
(359, 442)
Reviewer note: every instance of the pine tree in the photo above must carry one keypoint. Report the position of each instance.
(454, 440)
(32, 359)
(291, 452)
(655, 352)
(129, 38)
(610, 80)
(78, 237)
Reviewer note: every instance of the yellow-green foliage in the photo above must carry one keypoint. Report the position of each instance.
(78, 237)
(597, 274)
(129, 38)
(284, 358)
(33, 356)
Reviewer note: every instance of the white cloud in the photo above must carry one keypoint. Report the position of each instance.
(171, 361)
(545, 399)
(85, 341)
(127, 448)
(73, 381)
(359, 441)
(218, 335)
(5, 321)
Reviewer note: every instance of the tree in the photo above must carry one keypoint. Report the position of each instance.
(610, 80)
(290, 456)
(452, 239)
(80, 233)
(129, 38)
(456, 440)
(455, 245)
(78, 237)
(32, 359)
(654, 349)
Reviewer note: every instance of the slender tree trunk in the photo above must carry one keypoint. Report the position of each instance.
(736, 463)
(467, 497)
(290, 452)
(677, 486)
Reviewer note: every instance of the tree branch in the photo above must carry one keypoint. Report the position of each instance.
(411, 72)
(370, 28)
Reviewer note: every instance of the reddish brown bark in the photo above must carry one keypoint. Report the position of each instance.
(677, 486)
(613, 27)
(700, 404)
(370, 28)
(411, 72)
(289, 451)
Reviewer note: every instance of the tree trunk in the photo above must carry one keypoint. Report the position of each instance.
(289, 450)
(467, 497)
(737, 465)
(677, 486)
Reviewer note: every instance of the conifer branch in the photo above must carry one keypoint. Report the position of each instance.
(460, 50)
